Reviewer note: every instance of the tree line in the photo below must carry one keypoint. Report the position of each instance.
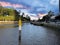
(8, 14)
(46, 18)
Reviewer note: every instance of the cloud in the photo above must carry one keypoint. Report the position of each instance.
(54, 2)
(17, 6)
(5, 4)
(37, 4)
(33, 6)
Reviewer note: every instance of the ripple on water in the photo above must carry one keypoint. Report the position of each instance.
(9, 35)
(38, 35)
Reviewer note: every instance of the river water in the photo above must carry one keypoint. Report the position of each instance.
(9, 35)
(39, 35)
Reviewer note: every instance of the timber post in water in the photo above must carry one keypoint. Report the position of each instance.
(20, 24)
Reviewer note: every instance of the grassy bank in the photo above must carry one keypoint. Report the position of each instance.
(7, 18)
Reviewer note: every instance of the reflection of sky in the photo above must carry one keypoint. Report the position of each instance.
(33, 6)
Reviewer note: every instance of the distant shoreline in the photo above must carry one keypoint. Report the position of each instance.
(8, 22)
(50, 25)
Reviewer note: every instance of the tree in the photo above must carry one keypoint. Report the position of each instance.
(48, 16)
(16, 15)
(27, 18)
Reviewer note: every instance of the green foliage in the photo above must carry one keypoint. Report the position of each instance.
(48, 16)
(8, 14)
(27, 18)
(16, 15)
(7, 18)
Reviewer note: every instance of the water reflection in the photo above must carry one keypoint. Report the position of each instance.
(37, 35)
(9, 34)
(8, 26)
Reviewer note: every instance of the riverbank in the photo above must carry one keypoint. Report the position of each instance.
(39, 35)
(37, 23)
(50, 25)
(8, 22)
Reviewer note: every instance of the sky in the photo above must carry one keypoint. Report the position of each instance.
(32, 6)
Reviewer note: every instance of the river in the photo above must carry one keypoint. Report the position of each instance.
(39, 35)
(9, 34)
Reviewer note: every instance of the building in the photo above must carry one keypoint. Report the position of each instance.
(35, 18)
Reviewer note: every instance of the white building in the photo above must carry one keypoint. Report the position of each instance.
(53, 17)
(41, 15)
(34, 18)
